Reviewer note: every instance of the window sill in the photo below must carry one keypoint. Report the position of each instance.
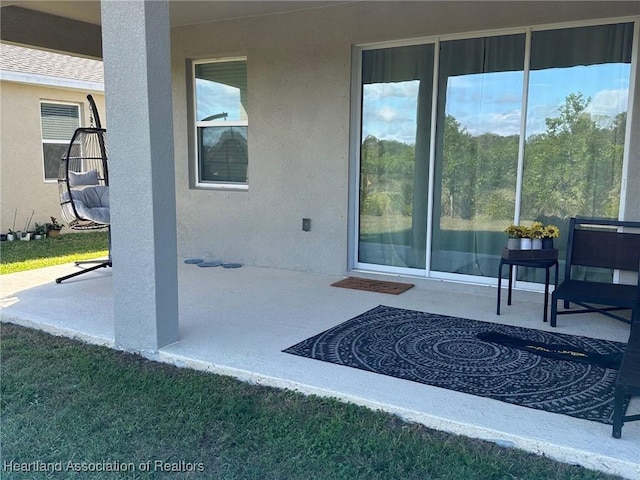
(222, 186)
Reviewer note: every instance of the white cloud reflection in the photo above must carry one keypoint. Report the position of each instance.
(492, 103)
(389, 111)
(609, 102)
(215, 98)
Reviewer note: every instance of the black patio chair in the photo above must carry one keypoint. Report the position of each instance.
(604, 247)
(83, 182)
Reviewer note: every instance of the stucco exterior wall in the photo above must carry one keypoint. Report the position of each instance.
(21, 164)
(632, 191)
(299, 77)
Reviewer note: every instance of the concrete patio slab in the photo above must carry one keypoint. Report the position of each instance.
(237, 322)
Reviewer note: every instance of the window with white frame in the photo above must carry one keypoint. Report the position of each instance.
(220, 94)
(59, 121)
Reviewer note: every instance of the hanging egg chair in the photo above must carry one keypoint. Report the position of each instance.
(83, 182)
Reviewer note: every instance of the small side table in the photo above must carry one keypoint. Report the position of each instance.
(546, 259)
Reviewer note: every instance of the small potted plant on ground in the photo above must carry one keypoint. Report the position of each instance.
(26, 233)
(40, 231)
(13, 235)
(53, 228)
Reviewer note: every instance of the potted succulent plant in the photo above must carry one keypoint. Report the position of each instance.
(39, 231)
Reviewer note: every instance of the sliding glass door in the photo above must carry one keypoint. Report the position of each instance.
(478, 132)
(576, 122)
(397, 86)
(462, 137)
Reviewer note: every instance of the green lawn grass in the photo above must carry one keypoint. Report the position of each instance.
(64, 401)
(18, 256)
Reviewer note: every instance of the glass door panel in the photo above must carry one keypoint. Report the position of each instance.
(578, 95)
(397, 85)
(478, 132)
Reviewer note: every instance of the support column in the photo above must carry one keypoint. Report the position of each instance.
(136, 47)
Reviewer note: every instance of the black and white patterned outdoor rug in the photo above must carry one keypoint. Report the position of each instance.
(446, 352)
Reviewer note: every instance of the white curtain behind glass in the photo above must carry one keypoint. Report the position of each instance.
(394, 161)
(578, 95)
(479, 109)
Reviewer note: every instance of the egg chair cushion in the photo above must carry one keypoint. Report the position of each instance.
(80, 179)
(92, 203)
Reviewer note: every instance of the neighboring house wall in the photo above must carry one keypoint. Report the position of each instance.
(23, 186)
(299, 97)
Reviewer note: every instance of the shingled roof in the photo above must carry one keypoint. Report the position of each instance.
(27, 61)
